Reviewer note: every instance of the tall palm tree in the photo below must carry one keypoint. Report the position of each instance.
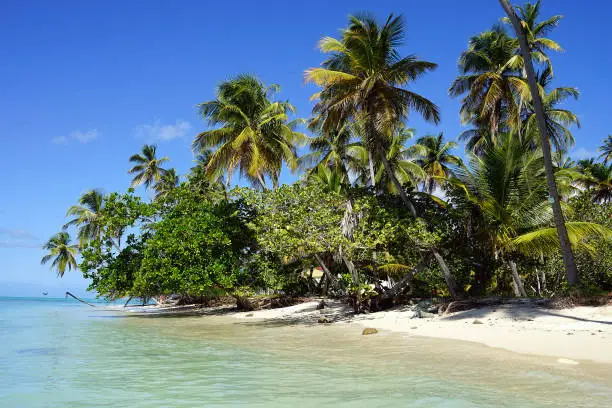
(86, 216)
(255, 135)
(365, 80)
(571, 270)
(436, 159)
(61, 252)
(168, 181)
(535, 32)
(606, 150)
(489, 84)
(147, 167)
(557, 120)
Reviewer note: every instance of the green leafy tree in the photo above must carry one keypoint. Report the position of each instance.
(254, 135)
(147, 167)
(61, 252)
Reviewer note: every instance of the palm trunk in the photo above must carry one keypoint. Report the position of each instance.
(371, 168)
(519, 289)
(571, 271)
(402, 283)
(262, 182)
(453, 288)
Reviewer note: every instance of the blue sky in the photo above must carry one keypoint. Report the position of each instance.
(83, 84)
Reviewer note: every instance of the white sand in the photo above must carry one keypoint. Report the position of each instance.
(580, 333)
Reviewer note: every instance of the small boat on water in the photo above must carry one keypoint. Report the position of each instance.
(45, 293)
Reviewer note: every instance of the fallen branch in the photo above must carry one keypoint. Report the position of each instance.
(80, 300)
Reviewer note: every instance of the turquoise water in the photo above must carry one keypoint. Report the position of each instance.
(60, 353)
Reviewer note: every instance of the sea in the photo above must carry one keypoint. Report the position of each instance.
(62, 353)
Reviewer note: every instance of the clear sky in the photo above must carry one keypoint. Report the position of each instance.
(84, 84)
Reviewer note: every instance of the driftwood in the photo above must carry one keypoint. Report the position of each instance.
(80, 300)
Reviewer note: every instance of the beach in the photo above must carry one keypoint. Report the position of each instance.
(577, 333)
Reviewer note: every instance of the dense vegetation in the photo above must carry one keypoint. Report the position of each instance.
(380, 218)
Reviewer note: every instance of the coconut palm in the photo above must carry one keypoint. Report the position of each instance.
(61, 252)
(557, 120)
(597, 178)
(606, 150)
(147, 167)
(255, 135)
(334, 149)
(400, 158)
(436, 159)
(508, 186)
(167, 182)
(365, 80)
(86, 216)
(489, 84)
(330, 179)
(534, 33)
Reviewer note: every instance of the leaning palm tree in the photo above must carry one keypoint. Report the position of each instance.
(147, 167)
(436, 159)
(535, 32)
(606, 150)
(255, 135)
(571, 270)
(489, 84)
(365, 80)
(87, 216)
(557, 119)
(61, 252)
(167, 182)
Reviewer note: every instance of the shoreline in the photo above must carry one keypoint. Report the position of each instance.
(572, 334)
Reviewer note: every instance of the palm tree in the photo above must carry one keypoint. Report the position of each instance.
(436, 159)
(508, 186)
(490, 85)
(598, 180)
(534, 33)
(86, 216)
(606, 150)
(147, 168)
(335, 150)
(330, 179)
(400, 158)
(365, 80)
(557, 120)
(168, 181)
(255, 135)
(61, 252)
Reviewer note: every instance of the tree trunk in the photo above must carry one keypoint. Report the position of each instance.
(520, 289)
(571, 271)
(80, 300)
(402, 283)
(371, 168)
(454, 290)
(325, 269)
(128, 301)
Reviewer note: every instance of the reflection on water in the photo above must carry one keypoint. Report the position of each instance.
(61, 354)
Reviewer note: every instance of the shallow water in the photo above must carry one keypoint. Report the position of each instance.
(59, 353)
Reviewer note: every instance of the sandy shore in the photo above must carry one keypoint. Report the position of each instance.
(580, 333)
